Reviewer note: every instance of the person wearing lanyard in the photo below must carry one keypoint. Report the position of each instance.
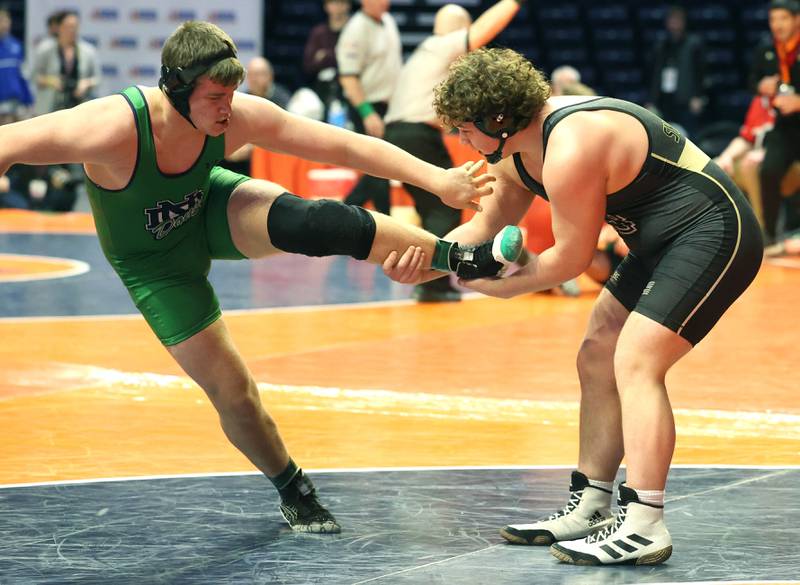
(678, 84)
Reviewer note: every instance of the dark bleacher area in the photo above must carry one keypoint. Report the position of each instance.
(610, 43)
(17, 10)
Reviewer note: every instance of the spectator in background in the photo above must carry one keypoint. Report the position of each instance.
(678, 87)
(53, 22)
(52, 188)
(577, 88)
(261, 82)
(562, 77)
(44, 188)
(51, 38)
(411, 122)
(305, 102)
(742, 158)
(369, 55)
(10, 197)
(775, 74)
(67, 71)
(319, 57)
(14, 91)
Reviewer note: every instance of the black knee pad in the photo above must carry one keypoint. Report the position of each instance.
(322, 227)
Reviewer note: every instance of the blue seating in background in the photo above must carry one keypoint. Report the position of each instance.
(609, 43)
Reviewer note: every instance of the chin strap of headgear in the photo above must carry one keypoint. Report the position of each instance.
(495, 127)
(177, 83)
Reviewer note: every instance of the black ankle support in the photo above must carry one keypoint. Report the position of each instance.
(292, 483)
(285, 477)
(322, 227)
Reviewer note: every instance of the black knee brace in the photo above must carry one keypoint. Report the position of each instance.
(323, 227)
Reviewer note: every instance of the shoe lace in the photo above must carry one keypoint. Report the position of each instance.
(609, 530)
(574, 500)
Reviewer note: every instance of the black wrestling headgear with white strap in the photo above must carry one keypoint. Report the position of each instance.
(177, 83)
(496, 126)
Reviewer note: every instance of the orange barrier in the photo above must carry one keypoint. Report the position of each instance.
(307, 178)
(286, 170)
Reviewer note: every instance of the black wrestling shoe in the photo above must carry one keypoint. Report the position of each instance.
(306, 514)
(490, 258)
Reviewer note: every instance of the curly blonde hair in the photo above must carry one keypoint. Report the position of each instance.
(488, 82)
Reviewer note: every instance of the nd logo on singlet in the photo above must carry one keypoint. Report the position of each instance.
(166, 215)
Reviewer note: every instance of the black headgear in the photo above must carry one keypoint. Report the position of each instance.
(496, 126)
(178, 82)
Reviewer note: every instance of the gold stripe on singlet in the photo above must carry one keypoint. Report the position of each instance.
(690, 158)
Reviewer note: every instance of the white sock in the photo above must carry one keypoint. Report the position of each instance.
(605, 485)
(652, 497)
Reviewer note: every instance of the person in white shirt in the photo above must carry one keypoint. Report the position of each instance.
(370, 55)
(411, 122)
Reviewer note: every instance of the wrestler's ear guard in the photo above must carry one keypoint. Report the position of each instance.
(496, 126)
(178, 83)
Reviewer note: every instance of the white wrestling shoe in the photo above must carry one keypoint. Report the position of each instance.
(637, 537)
(588, 510)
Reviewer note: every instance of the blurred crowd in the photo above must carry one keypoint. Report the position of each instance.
(63, 72)
(763, 158)
(352, 63)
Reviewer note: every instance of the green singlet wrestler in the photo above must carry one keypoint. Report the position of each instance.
(163, 210)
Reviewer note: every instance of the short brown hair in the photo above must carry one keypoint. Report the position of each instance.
(488, 82)
(195, 42)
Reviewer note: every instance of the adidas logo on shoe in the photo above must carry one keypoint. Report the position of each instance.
(638, 536)
(597, 518)
(588, 510)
